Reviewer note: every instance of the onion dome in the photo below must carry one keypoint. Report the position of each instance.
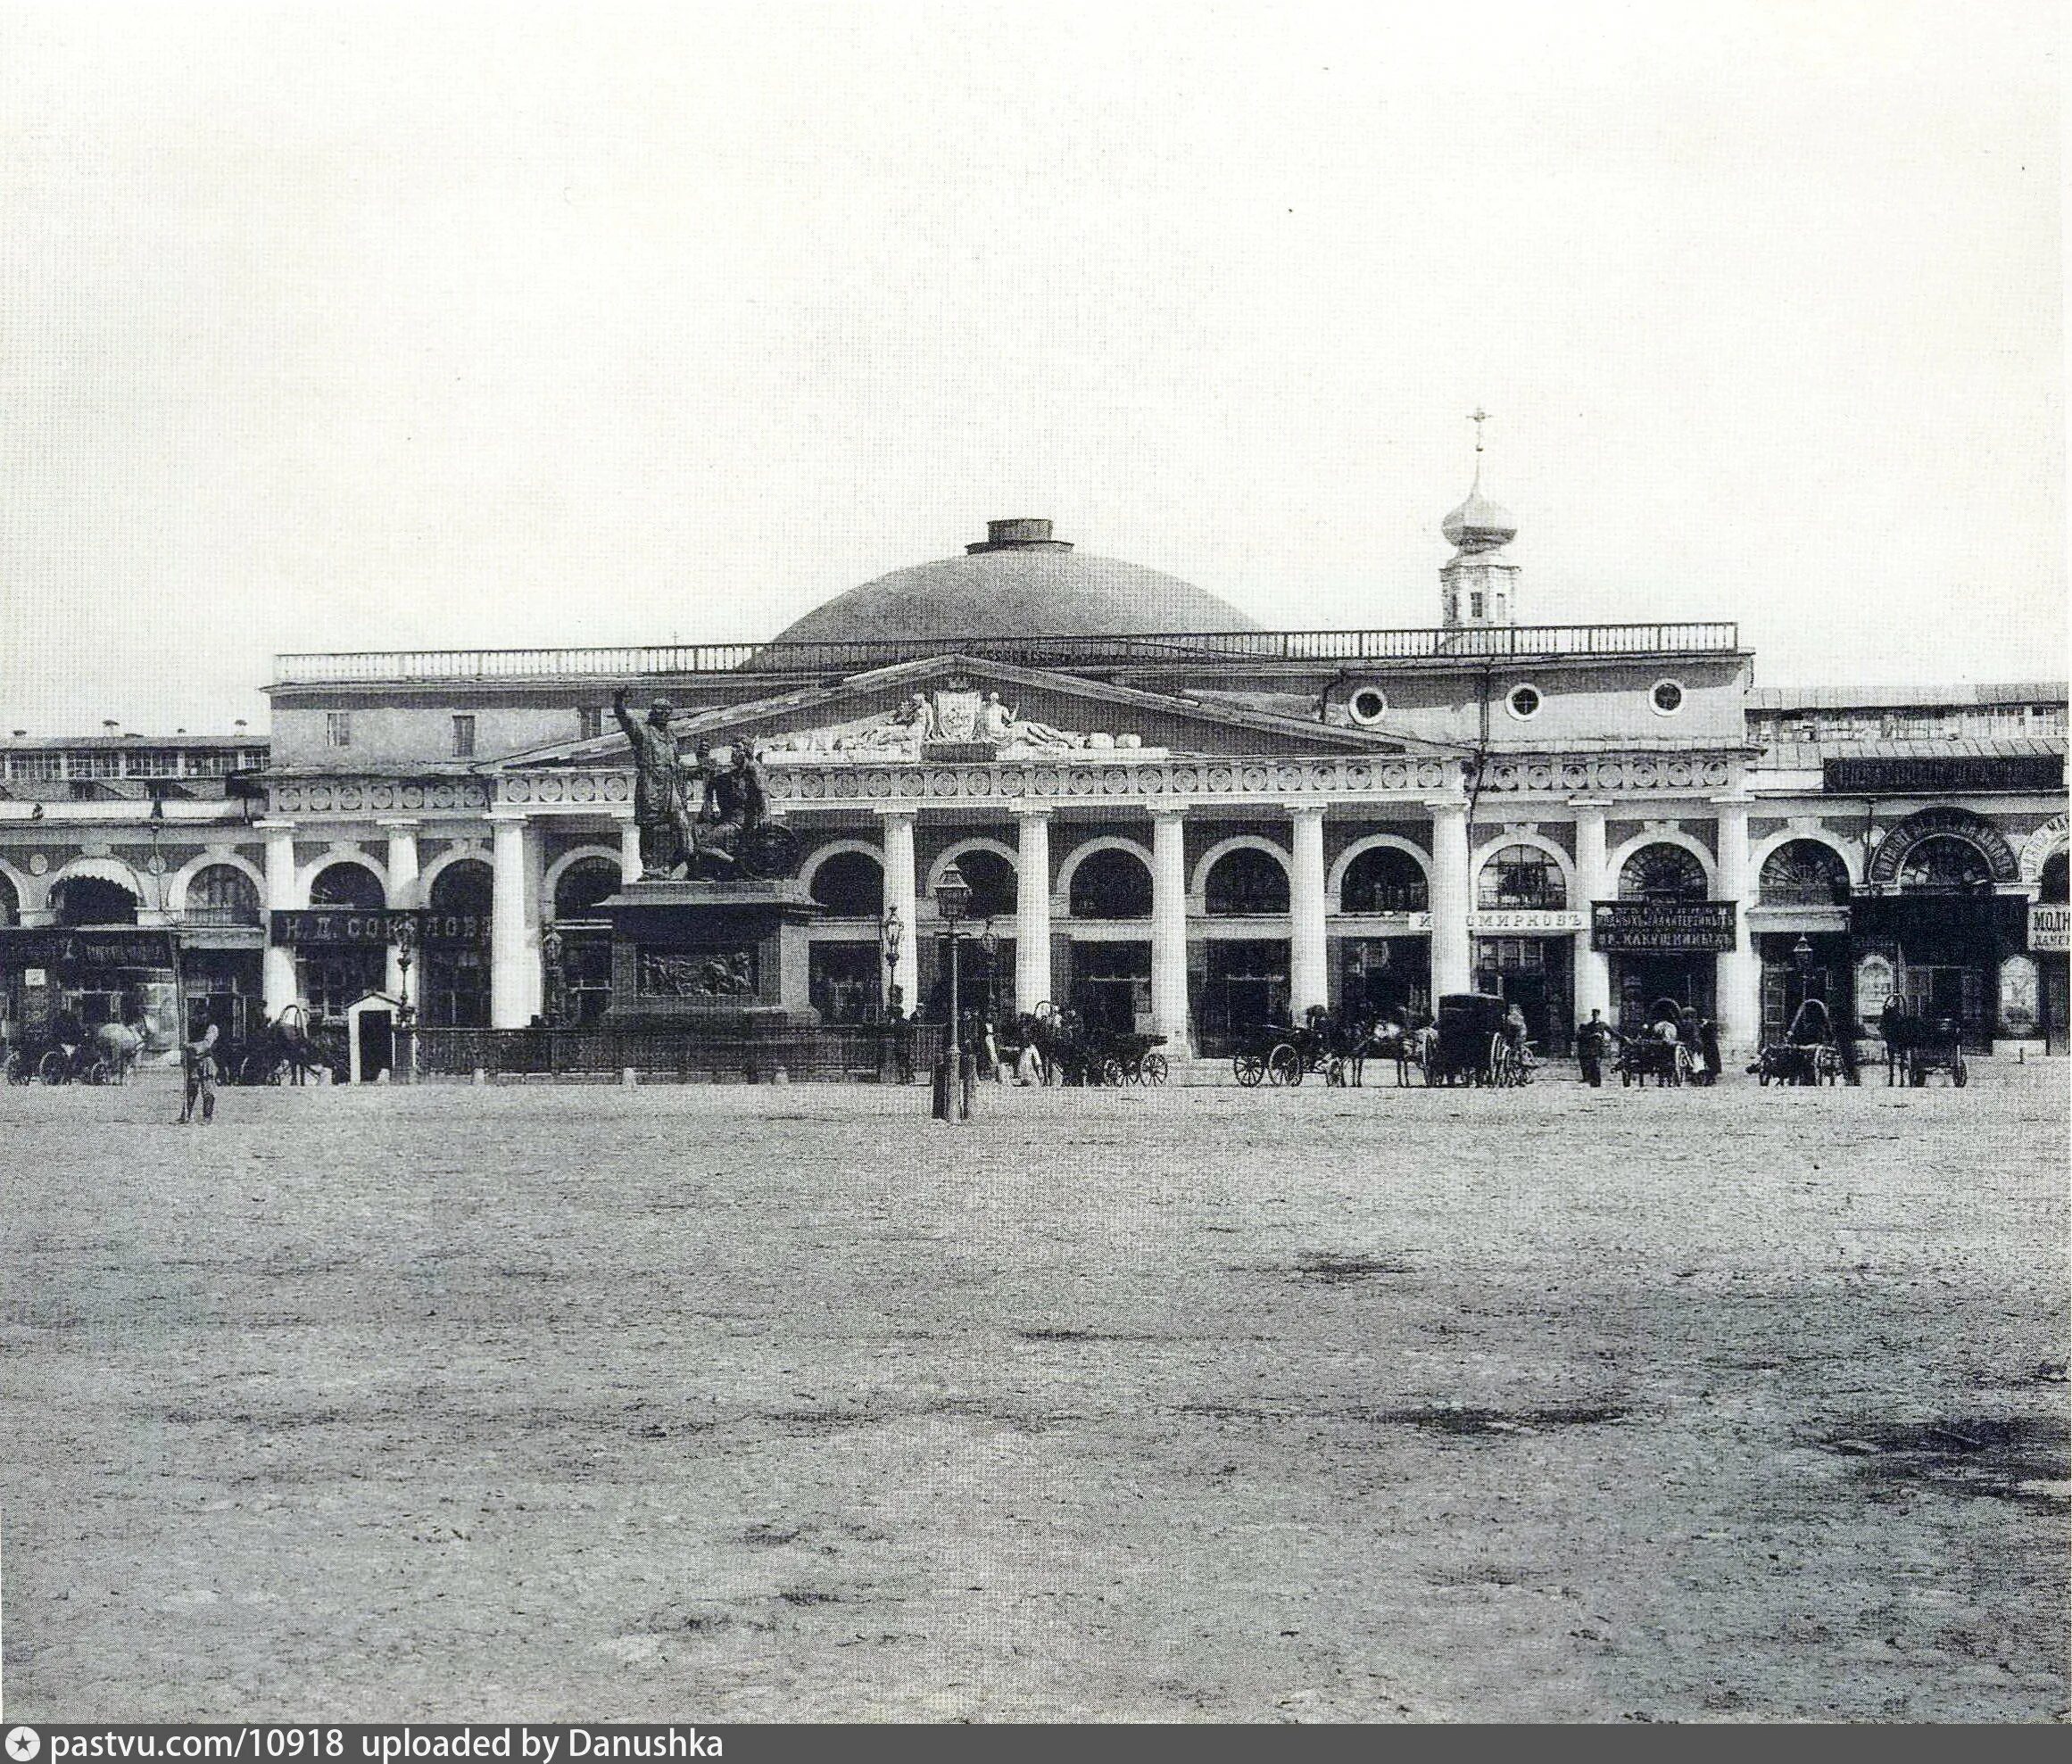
(1479, 525)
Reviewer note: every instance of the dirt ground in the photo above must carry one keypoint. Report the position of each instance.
(746, 1404)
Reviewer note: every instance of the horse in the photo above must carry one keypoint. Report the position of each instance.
(120, 1045)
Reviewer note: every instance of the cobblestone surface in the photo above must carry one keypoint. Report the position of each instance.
(705, 1404)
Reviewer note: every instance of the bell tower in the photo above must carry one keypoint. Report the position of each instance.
(1479, 584)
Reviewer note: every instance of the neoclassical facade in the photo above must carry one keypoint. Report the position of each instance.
(1171, 819)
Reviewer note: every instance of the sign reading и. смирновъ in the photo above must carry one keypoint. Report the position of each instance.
(1633, 927)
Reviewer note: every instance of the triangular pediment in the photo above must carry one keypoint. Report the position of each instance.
(912, 710)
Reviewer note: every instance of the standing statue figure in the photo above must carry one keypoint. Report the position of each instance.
(666, 836)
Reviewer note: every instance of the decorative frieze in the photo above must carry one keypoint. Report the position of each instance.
(356, 796)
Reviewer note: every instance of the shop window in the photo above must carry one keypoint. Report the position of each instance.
(582, 885)
(99, 764)
(1522, 878)
(150, 762)
(347, 884)
(1111, 884)
(1662, 872)
(89, 900)
(1946, 864)
(1246, 883)
(992, 884)
(221, 894)
(852, 885)
(1384, 878)
(2054, 879)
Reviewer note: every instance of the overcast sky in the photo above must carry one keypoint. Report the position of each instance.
(338, 328)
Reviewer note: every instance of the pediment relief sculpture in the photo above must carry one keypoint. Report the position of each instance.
(952, 716)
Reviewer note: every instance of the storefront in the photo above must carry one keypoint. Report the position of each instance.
(2049, 939)
(1535, 975)
(1111, 985)
(1244, 982)
(1806, 963)
(75, 979)
(1941, 955)
(341, 953)
(844, 980)
(1385, 976)
(1662, 950)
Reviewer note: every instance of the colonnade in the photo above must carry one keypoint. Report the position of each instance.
(516, 912)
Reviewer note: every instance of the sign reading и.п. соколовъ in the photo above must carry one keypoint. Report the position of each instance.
(1619, 927)
(377, 925)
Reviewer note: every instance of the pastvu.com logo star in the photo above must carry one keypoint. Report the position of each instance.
(23, 1744)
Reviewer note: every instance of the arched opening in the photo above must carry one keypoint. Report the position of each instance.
(221, 894)
(337, 974)
(1384, 878)
(1111, 884)
(1945, 863)
(1804, 873)
(348, 885)
(1522, 878)
(2053, 881)
(10, 902)
(93, 900)
(852, 885)
(455, 992)
(1246, 882)
(584, 884)
(992, 878)
(1662, 872)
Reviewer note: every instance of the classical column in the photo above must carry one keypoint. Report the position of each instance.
(629, 848)
(899, 861)
(1032, 907)
(277, 961)
(1449, 896)
(403, 892)
(510, 988)
(1308, 983)
(1169, 1009)
(1739, 976)
(1593, 971)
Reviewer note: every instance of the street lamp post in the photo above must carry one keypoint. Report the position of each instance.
(953, 1088)
(406, 951)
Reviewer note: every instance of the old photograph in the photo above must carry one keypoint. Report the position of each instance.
(1031, 865)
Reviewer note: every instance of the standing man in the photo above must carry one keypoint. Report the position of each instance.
(198, 1069)
(1590, 1041)
(659, 812)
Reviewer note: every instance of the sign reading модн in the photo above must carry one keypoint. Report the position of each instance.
(1638, 927)
(2050, 927)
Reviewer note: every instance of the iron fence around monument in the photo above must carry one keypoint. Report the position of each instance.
(863, 1053)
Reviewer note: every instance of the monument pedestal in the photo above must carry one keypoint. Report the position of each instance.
(724, 958)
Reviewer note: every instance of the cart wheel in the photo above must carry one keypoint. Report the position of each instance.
(1154, 1069)
(1959, 1074)
(1112, 1073)
(1283, 1065)
(1250, 1068)
(52, 1068)
(98, 1072)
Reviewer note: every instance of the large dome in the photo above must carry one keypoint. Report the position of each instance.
(1017, 582)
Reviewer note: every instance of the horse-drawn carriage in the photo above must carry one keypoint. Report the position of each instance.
(1070, 1052)
(69, 1055)
(291, 1049)
(1471, 1042)
(1115, 1058)
(1809, 1053)
(1915, 1046)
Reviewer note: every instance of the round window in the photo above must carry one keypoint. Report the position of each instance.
(1523, 702)
(1667, 697)
(1368, 706)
